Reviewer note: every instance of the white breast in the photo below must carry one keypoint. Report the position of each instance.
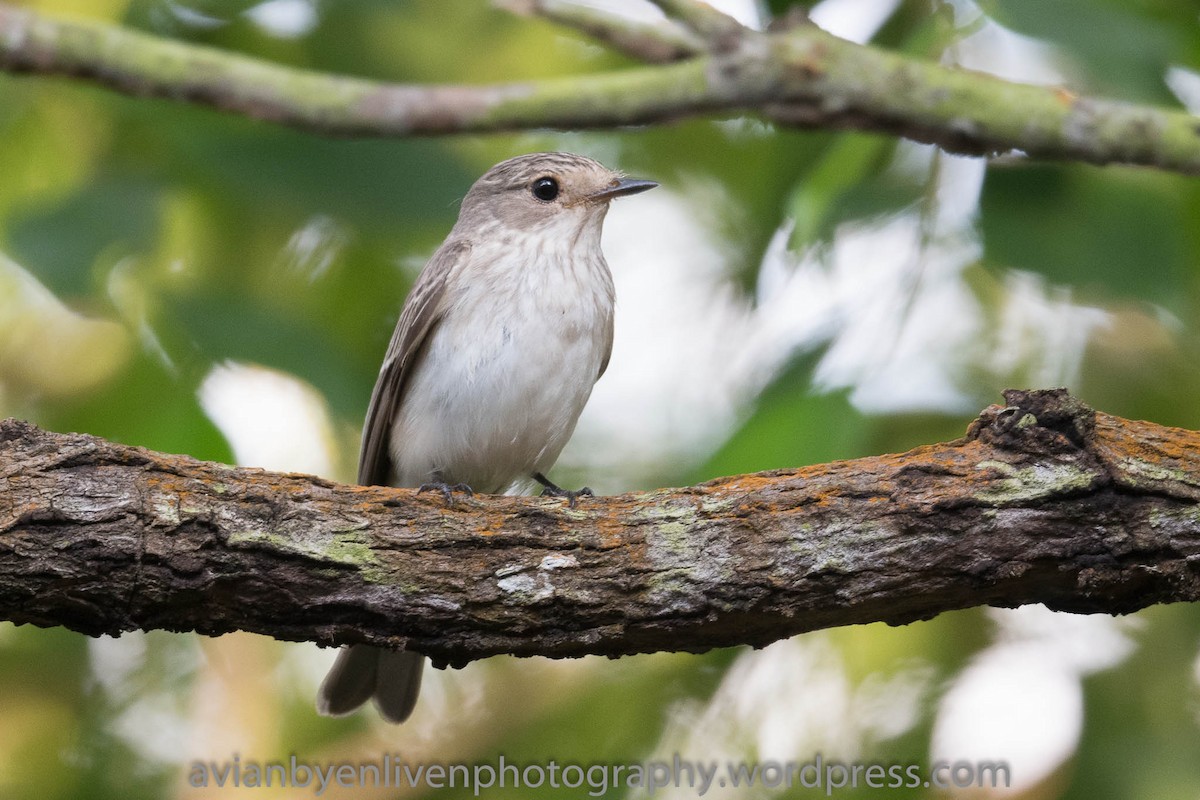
(509, 369)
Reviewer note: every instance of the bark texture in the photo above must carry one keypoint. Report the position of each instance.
(1043, 501)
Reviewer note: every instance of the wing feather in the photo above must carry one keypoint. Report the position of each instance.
(608, 344)
(421, 313)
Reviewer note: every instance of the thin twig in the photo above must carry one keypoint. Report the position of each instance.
(711, 24)
(653, 43)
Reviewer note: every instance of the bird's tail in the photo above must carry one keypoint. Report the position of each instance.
(362, 673)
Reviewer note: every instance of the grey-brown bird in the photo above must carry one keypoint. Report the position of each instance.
(494, 356)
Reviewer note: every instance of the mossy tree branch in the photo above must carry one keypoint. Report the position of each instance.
(1043, 501)
(799, 75)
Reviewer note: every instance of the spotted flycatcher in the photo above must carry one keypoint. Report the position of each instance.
(497, 348)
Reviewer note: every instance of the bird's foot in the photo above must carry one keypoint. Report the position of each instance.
(447, 489)
(551, 490)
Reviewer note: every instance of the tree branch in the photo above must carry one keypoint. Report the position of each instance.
(800, 76)
(654, 44)
(1044, 501)
(701, 17)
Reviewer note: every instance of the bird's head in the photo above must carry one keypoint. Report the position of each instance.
(544, 191)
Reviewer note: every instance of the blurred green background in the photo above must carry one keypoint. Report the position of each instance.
(199, 283)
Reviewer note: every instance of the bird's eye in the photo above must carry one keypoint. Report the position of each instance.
(545, 189)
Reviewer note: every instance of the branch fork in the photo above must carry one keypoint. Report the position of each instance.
(699, 62)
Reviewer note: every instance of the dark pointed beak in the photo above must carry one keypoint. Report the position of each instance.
(622, 187)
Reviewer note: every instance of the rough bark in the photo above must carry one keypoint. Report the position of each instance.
(1043, 501)
(795, 74)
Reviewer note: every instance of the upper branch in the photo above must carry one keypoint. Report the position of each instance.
(650, 42)
(1043, 501)
(701, 17)
(799, 76)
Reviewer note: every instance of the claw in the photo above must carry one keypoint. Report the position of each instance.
(447, 489)
(552, 490)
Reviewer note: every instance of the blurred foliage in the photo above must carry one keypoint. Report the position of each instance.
(1122, 49)
(144, 242)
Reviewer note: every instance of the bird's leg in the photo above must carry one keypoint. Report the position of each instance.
(447, 489)
(551, 490)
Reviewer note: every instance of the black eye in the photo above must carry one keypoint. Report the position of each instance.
(545, 189)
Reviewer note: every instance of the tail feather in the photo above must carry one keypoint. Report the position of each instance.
(362, 673)
(398, 684)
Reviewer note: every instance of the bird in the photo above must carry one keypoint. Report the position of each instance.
(497, 348)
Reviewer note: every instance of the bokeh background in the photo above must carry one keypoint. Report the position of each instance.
(200, 283)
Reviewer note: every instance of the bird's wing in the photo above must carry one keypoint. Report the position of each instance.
(421, 314)
(608, 343)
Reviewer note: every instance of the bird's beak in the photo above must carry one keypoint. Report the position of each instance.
(620, 188)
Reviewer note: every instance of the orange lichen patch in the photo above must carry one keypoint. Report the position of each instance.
(1147, 440)
(874, 478)
(1145, 455)
(172, 484)
(611, 530)
(277, 482)
(825, 495)
(755, 482)
(491, 523)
